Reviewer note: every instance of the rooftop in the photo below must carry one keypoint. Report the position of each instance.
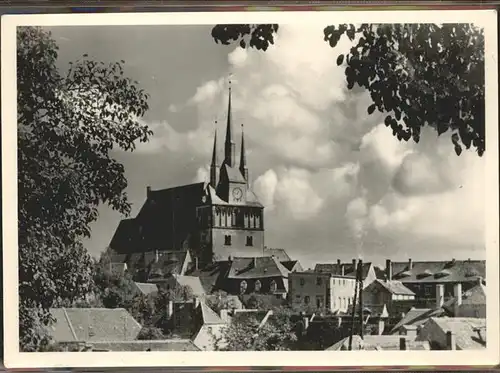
(93, 324)
(258, 267)
(439, 271)
(394, 287)
(378, 342)
(348, 268)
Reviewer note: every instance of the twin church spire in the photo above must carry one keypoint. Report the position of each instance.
(229, 148)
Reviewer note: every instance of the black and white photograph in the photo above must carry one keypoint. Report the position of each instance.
(190, 184)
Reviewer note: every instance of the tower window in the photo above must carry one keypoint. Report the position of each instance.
(249, 241)
(227, 240)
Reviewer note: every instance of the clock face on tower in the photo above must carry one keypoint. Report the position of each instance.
(237, 193)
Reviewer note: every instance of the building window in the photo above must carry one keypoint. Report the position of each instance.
(319, 281)
(227, 240)
(302, 282)
(306, 299)
(273, 286)
(257, 221)
(427, 290)
(258, 285)
(243, 287)
(319, 301)
(249, 241)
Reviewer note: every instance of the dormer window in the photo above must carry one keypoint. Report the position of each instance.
(243, 287)
(258, 285)
(273, 286)
(227, 240)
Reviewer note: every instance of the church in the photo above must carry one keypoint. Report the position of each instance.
(213, 220)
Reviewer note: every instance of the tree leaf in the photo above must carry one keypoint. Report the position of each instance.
(340, 59)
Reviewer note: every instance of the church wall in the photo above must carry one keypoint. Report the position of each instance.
(238, 245)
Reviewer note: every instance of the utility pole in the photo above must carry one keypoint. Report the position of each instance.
(359, 275)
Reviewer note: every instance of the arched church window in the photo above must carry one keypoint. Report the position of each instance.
(233, 218)
(257, 221)
(258, 285)
(246, 219)
(243, 287)
(273, 286)
(252, 221)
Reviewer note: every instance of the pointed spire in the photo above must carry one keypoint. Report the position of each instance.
(229, 143)
(243, 157)
(214, 152)
(213, 165)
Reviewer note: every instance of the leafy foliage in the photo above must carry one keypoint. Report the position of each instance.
(418, 74)
(151, 334)
(277, 334)
(67, 125)
(255, 36)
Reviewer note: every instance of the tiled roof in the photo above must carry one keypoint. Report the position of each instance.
(161, 345)
(416, 317)
(193, 282)
(234, 174)
(212, 275)
(465, 330)
(349, 269)
(476, 295)
(233, 301)
(146, 288)
(280, 254)
(245, 315)
(451, 271)
(169, 262)
(394, 287)
(208, 315)
(93, 324)
(292, 265)
(378, 342)
(257, 267)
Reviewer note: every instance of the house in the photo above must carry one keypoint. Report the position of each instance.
(174, 282)
(261, 275)
(146, 289)
(152, 265)
(211, 276)
(179, 318)
(380, 342)
(368, 272)
(88, 325)
(293, 265)
(454, 333)
(385, 293)
(471, 303)
(210, 335)
(320, 291)
(414, 319)
(422, 277)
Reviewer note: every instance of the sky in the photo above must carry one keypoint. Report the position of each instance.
(334, 181)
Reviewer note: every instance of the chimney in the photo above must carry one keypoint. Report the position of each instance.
(388, 269)
(224, 315)
(196, 302)
(439, 295)
(148, 191)
(450, 341)
(339, 264)
(402, 343)
(457, 293)
(342, 270)
(410, 265)
(354, 263)
(170, 309)
(196, 265)
(157, 256)
(306, 322)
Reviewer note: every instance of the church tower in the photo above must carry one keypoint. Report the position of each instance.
(234, 218)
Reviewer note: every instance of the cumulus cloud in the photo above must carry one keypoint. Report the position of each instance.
(327, 171)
